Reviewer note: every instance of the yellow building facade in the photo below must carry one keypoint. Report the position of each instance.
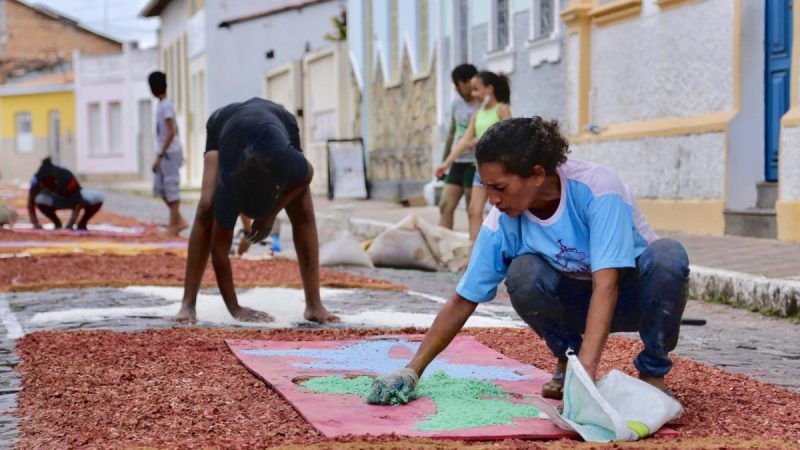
(35, 122)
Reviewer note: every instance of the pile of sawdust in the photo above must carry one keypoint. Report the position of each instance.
(184, 388)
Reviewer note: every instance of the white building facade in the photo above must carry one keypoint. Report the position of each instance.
(115, 114)
(692, 102)
(218, 52)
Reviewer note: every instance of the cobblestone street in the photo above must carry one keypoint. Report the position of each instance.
(735, 340)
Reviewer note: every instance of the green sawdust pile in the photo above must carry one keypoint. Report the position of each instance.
(460, 403)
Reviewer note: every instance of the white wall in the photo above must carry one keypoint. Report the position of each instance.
(237, 55)
(745, 160)
(104, 79)
(173, 21)
(790, 164)
(684, 167)
(676, 63)
(355, 36)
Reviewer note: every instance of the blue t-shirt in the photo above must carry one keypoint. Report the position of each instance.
(597, 226)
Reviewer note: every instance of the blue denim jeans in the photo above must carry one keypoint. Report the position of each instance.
(651, 300)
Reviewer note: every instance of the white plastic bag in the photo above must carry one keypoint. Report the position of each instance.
(343, 250)
(416, 244)
(403, 247)
(8, 215)
(619, 408)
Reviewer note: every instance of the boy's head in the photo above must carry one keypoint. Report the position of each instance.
(158, 83)
(46, 168)
(514, 158)
(47, 172)
(256, 187)
(462, 75)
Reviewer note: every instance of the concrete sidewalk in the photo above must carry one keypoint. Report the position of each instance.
(759, 274)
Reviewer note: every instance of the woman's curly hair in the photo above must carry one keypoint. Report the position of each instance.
(523, 142)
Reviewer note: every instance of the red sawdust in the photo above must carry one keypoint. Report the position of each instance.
(156, 269)
(182, 388)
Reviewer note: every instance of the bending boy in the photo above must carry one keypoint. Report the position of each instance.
(253, 165)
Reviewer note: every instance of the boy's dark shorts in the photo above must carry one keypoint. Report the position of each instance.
(461, 174)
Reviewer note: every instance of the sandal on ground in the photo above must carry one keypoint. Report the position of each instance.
(555, 387)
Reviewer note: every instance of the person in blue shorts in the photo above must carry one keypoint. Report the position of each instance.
(578, 257)
(53, 188)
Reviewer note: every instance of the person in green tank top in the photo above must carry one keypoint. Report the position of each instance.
(494, 92)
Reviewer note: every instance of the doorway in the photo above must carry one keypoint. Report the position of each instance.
(778, 51)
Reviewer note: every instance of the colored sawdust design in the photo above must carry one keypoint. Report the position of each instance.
(183, 388)
(91, 247)
(374, 356)
(16, 237)
(460, 403)
(158, 269)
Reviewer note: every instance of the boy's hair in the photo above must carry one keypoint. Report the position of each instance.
(158, 82)
(521, 143)
(256, 187)
(463, 72)
(46, 168)
(502, 89)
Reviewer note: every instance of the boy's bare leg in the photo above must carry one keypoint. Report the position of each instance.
(447, 205)
(306, 242)
(88, 212)
(199, 241)
(176, 221)
(196, 261)
(50, 213)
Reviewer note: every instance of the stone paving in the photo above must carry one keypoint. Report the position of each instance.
(736, 340)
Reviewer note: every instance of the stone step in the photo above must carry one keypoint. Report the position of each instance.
(754, 222)
(767, 194)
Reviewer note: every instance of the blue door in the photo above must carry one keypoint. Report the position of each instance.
(778, 49)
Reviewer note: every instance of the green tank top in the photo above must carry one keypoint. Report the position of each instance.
(485, 119)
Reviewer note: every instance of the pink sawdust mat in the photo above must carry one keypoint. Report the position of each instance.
(283, 365)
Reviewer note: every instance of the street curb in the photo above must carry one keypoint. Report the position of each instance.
(774, 296)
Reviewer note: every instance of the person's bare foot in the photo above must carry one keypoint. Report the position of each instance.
(175, 230)
(251, 315)
(187, 314)
(182, 225)
(320, 315)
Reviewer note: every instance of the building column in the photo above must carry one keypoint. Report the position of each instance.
(578, 42)
(787, 207)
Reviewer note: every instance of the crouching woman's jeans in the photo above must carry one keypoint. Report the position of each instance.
(651, 300)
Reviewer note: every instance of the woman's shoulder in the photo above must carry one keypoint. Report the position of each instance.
(503, 110)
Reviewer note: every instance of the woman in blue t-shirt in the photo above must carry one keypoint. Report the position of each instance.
(578, 257)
